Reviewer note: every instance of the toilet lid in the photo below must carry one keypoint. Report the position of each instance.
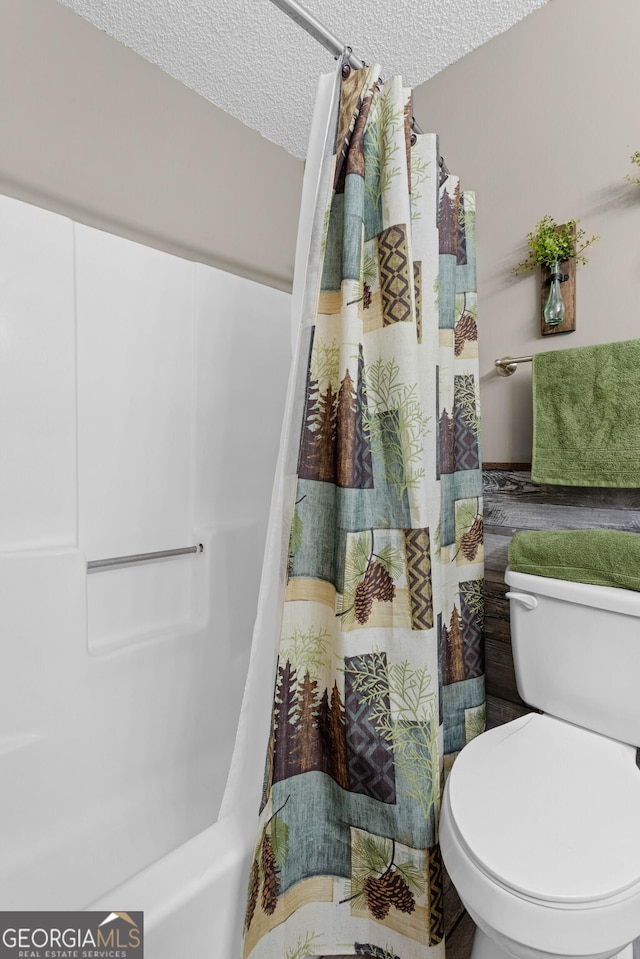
(549, 810)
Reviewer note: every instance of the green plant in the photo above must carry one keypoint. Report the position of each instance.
(635, 158)
(550, 242)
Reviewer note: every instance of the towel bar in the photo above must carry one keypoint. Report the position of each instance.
(96, 564)
(507, 365)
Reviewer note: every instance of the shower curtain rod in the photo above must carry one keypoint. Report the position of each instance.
(315, 29)
(330, 42)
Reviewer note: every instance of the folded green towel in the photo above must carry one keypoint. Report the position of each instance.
(603, 557)
(586, 416)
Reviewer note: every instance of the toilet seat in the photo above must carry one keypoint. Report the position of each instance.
(556, 818)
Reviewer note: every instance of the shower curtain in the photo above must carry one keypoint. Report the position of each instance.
(374, 568)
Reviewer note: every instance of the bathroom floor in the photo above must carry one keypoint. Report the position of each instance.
(458, 925)
(460, 939)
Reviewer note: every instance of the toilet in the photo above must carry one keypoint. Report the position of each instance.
(540, 818)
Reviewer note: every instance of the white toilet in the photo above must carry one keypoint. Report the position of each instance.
(540, 820)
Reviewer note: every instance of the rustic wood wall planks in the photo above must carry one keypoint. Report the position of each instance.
(512, 502)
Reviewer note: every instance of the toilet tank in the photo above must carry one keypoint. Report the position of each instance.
(576, 650)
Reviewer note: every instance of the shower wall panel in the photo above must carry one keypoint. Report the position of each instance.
(37, 378)
(142, 400)
(135, 317)
(136, 392)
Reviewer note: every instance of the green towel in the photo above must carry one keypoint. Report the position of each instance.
(603, 557)
(586, 416)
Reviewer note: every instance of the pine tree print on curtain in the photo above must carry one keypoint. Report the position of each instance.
(379, 680)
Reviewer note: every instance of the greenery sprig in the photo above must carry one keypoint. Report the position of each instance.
(635, 158)
(551, 241)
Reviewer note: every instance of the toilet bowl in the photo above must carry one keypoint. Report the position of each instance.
(540, 819)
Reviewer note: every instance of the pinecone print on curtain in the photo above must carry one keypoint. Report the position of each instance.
(386, 890)
(253, 892)
(271, 882)
(469, 530)
(264, 875)
(466, 328)
(472, 540)
(384, 876)
(369, 576)
(377, 584)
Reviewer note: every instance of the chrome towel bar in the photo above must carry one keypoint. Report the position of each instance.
(97, 564)
(507, 365)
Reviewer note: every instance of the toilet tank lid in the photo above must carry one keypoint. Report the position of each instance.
(586, 594)
(549, 810)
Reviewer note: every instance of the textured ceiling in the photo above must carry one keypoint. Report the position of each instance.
(248, 58)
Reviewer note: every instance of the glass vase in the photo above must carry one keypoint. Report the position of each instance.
(554, 307)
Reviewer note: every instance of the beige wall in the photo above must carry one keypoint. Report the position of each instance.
(91, 130)
(540, 120)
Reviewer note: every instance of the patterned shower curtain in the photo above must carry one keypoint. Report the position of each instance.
(379, 679)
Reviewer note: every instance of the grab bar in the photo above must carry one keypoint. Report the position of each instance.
(97, 564)
(507, 365)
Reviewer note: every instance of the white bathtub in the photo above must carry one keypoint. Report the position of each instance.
(193, 899)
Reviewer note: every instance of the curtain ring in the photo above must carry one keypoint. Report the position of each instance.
(346, 66)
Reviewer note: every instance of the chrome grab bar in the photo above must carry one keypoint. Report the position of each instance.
(97, 564)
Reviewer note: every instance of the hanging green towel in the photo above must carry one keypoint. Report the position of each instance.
(586, 416)
(602, 557)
